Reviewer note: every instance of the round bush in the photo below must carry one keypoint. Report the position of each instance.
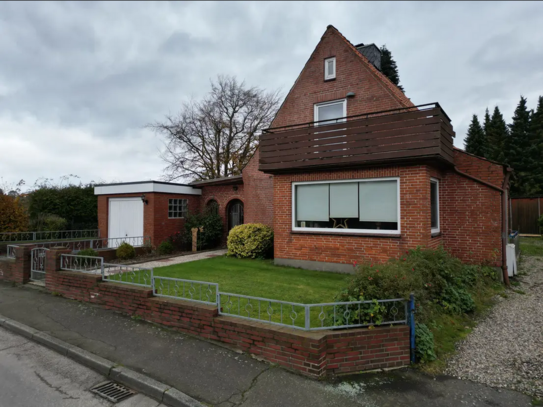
(166, 247)
(252, 240)
(125, 251)
(88, 252)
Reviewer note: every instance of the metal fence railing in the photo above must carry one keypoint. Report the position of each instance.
(335, 315)
(85, 264)
(54, 235)
(192, 290)
(10, 252)
(97, 244)
(309, 317)
(121, 273)
(263, 309)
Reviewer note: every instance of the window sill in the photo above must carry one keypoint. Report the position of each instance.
(330, 80)
(436, 234)
(360, 234)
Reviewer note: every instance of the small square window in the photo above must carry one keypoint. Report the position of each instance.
(177, 208)
(330, 68)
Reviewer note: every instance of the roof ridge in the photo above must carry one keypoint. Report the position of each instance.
(402, 98)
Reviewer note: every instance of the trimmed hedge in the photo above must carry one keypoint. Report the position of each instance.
(252, 240)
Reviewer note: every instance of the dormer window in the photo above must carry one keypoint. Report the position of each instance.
(330, 68)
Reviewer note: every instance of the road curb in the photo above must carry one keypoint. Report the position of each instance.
(137, 381)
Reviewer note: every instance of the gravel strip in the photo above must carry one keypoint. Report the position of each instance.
(506, 348)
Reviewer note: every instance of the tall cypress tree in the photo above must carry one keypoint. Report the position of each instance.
(475, 142)
(496, 135)
(389, 67)
(519, 151)
(536, 140)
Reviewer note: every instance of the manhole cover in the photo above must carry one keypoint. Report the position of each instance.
(112, 391)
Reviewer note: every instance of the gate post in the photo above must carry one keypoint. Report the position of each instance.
(21, 274)
(52, 265)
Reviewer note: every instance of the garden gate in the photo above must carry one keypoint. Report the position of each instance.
(37, 264)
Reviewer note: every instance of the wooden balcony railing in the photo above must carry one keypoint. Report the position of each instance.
(418, 132)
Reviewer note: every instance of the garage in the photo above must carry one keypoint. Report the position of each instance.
(125, 219)
(144, 212)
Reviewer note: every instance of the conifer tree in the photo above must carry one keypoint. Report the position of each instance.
(389, 67)
(496, 135)
(519, 151)
(536, 140)
(475, 142)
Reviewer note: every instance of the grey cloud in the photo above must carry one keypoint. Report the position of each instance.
(96, 73)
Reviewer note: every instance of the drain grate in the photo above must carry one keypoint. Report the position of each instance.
(112, 391)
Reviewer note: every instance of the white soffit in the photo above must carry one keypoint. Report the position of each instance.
(146, 186)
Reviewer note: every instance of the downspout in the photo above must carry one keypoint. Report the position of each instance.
(504, 193)
(505, 230)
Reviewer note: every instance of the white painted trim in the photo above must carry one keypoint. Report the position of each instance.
(340, 230)
(332, 102)
(143, 187)
(326, 74)
(438, 229)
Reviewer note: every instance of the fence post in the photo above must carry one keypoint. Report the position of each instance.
(34, 236)
(412, 326)
(307, 318)
(218, 300)
(153, 281)
(102, 268)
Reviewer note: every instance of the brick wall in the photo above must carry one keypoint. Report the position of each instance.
(373, 91)
(314, 354)
(479, 167)
(155, 214)
(335, 248)
(258, 193)
(471, 220)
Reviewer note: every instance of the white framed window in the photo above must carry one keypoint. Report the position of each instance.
(434, 204)
(330, 68)
(347, 206)
(177, 208)
(333, 112)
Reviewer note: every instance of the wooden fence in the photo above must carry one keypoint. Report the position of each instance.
(524, 214)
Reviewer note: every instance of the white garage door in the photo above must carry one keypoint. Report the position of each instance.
(125, 220)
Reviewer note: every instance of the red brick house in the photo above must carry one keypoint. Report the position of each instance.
(350, 170)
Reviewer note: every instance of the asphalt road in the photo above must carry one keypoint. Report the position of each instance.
(31, 375)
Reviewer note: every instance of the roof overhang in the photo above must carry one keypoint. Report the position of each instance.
(234, 180)
(146, 187)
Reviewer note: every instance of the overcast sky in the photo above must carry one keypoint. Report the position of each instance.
(79, 81)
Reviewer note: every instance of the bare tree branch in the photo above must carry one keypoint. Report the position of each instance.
(217, 136)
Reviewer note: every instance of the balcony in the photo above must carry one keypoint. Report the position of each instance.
(402, 135)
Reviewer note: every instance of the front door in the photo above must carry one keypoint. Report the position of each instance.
(235, 213)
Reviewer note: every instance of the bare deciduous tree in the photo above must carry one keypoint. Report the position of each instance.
(217, 136)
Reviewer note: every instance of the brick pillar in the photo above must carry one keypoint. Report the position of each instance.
(21, 268)
(52, 265)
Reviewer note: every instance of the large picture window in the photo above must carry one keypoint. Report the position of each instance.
(434, 203)
(177, 208)
(369, 205)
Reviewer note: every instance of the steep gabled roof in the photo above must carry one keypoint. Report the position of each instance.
(396, 92)
(392, 89)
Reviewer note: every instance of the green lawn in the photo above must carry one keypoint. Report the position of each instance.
(260, 278)
(531, 246)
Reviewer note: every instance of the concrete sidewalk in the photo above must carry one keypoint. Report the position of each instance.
(218, 376)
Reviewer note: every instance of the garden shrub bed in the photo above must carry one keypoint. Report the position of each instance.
(448, 296)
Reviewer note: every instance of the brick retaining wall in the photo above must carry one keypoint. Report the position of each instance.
(315, 354)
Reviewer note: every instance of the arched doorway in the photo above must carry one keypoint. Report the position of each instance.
(235, 213)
